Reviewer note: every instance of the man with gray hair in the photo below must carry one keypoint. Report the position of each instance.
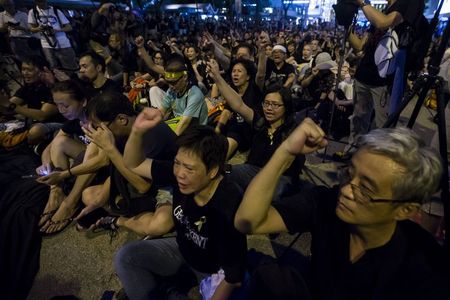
(363, 245)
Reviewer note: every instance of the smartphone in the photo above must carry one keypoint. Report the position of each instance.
(91, 218)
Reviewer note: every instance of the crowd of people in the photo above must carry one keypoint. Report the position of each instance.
(121, 104)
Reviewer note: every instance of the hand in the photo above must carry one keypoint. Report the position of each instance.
(139, 42)
(53, 178)
(306, 138)
(212, 67)
(264, 40)
(60, 75)
(147, 119)
(315, 71)
(47, 77)
(44, 169)
(102, 136)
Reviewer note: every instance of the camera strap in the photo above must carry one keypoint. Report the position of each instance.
(53, 42)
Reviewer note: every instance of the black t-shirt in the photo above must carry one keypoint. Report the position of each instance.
(206, 235)
(273, 74)
(410, 266)
(263, 146)
(108, 86)
(73, 128)
(35, 95)
(367, 71)
(237, 128)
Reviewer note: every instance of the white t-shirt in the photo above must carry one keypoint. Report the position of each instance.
(347, 88)
(48, 17)
(20, 17)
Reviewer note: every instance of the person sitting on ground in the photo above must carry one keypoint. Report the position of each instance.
(111, 117)
(204, 200)
(33, 102)
(363, 245)
(63, 202)
(183, 99)
(269, 128)
(237, 131)
(92, 72)
(274, 70)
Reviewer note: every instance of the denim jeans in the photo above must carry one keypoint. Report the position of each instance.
(244, 173)
(140, 265)
(61, 58)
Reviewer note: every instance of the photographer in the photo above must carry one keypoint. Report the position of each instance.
(371, 90)
(15, 23)
(52, 25)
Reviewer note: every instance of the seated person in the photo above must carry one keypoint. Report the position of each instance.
(268, 130)
(33, 102)
(202, 212)
(124, 192)
(238, 132)
(363, 245)
(183, 99)
(92, 72)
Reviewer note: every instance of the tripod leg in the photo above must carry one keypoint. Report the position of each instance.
(423, 94)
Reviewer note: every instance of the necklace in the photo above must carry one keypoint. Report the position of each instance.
(270, 135)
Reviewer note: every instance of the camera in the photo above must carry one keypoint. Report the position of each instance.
(48, 30)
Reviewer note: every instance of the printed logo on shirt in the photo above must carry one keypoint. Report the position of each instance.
(191, 234)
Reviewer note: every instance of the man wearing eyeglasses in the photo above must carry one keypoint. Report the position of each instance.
(363, 246)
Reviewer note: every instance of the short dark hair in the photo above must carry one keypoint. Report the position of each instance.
(207, 144)
(107, 106)
(176, 64)
(70, 87)
(37, 61)
(96, 59)
(248, 65)
(250, 48)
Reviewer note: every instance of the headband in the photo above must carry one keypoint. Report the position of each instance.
(174, 75)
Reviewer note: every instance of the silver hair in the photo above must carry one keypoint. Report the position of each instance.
(421, 165)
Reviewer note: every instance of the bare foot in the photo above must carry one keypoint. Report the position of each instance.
(61, 219)
(54, 201)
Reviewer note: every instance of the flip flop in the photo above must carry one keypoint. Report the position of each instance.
(67, 222)
(49, 213)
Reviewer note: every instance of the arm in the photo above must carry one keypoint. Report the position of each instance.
(261, 71)
(289, 81)
(104, 139)
(133, 157)
(224, 290)
(379, 19)
(154, 224)
(47, 110)
(255, 214)
(183, 124)
(356, 42)
(307, 80)
(139, 41)
(231, 96)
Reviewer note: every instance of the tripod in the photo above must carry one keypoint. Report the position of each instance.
(421, 87)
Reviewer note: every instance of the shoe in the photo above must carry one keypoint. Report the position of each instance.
(109, 224)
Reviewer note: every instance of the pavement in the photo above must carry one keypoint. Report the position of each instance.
(80, 263)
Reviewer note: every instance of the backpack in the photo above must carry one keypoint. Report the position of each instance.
(386, 52)
(420, 40)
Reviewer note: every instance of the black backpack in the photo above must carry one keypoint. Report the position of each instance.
(418, 46)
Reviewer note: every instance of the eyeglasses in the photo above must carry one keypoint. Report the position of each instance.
(361, 194)
(273, 105)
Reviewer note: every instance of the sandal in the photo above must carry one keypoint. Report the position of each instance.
(109, 224)
(49, 214)
(66, 222)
